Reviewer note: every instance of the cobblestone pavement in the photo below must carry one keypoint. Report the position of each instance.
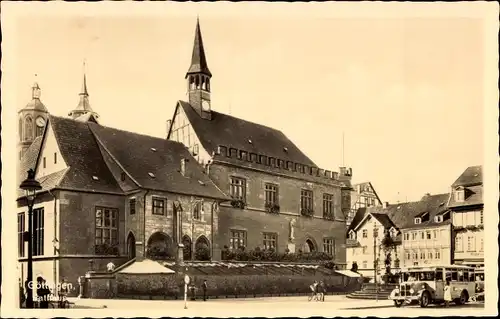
(276, 306)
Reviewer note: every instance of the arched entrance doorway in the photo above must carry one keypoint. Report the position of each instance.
(202, 248)
(188, 247)
(131, 246)
(160, 246)
(309, 246)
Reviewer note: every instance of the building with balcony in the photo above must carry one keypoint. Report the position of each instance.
(466, 206)
(281, 200)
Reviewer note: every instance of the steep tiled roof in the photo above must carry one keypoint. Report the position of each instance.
(29, 159)
(471, 176)
(233, 132)
(402, 214)
(48, 182)
(358, 217)
(80, 151)
(142, 155)
(384, 220)
(473, 196)
(433, 204)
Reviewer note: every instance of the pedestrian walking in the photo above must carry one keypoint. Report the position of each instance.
(322, 290)
(447, 294)
(204, 288)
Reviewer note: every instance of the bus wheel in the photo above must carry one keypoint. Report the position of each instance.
(464, 297)
(398, 303)
(424, 299)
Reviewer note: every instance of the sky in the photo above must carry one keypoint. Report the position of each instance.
(406, 93)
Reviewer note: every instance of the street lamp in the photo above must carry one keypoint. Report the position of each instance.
(30, 185)
(375, 261)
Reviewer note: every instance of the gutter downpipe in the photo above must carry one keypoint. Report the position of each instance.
(144, 234)
(55, 240)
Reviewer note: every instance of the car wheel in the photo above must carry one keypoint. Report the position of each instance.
(398, 303)
(424, 299)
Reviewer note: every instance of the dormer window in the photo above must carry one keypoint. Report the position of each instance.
(418, 220)
(393, 232)
(460, 195)
(352, 234)
(438, 219)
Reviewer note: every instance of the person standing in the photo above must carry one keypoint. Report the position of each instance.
(447, 294)
(322, 291)
(204, 288)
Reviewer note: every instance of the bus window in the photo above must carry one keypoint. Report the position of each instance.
(471, 276)
(466, 276)
(448, 275)
(454, 275)
(460, 275)
(439, 274)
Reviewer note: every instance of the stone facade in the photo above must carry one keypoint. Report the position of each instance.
(254, 220)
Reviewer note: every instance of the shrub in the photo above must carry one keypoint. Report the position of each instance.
(202, 252)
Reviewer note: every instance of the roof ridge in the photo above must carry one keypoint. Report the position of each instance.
(135, 133)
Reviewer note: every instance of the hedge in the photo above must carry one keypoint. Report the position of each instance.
(219, 285)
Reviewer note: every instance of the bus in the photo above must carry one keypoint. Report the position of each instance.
(425, 285)
(479, 296)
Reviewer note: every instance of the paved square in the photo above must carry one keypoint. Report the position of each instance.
(281, 306)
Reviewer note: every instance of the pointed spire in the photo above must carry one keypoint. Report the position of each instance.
(84, 84)
(198, 58)
(83, 107)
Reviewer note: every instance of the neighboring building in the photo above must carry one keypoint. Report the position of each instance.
(427, 233)
(281, 199)
(421, 231)
(466, 203)
(365, 235)
(111, 195)
(362, 195)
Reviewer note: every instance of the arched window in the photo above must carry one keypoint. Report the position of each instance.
(202, 249)
(187, 252)
(28, 128)
(309, 246)
(20, 129)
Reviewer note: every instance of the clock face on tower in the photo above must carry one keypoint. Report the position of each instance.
(40, 121)
(205, 105)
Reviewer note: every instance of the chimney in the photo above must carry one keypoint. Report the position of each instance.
(385, 204)
(183, 166)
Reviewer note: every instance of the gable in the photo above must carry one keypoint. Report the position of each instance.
(182, 131)
(50, 159)
(87, 170)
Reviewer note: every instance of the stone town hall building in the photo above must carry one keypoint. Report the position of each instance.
(216, 182)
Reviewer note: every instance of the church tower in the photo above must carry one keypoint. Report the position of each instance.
(83, 110)
(32, 120)
(198, 78)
